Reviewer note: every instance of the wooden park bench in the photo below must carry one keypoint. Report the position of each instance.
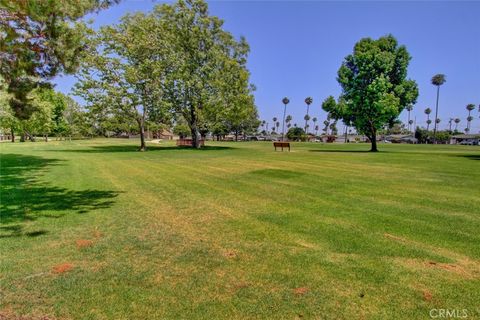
(188, 142)
(282, 145)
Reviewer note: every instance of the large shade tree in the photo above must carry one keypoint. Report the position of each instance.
(39, 40)
(118, 80)
(375, 88)
(204, 65)
(176, 60)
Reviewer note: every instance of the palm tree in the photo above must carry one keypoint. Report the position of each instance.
(316, 130)
(326, 123)
(450, 124)
(308, 101)
(470, 107)
(274, 119)
(288, 119)
(277, 124)
(314, 121)
(457, 121)
(427, 112)
(437, 80)
(306, 118)
(285, 101)
(409, 109)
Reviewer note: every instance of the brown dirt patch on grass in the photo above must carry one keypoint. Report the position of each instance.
(230, 254)
(62, 268)
(300, 291)
(10, 315)
(462, 268)
(396, 238)
(427, 295)
(455, 268)
(83, 243)
(97, 234)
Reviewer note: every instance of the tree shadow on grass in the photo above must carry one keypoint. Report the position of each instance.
(131, 148)
(277, 173)
(471, 156)
(24, 197)
(343, 151)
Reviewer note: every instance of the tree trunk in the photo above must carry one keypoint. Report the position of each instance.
(373, 140)
(374, 144)
(13, 134)
(141, 125)
(25, 135)
(46, 138)
(436, 117)
(194, 129)
(236, 135)
(195, 137)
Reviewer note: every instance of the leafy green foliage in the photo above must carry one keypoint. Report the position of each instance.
(181, 129)
(174, 62)
(296, 134)
(38, 40)
(118, 82)
(374, 86)
(206, 80)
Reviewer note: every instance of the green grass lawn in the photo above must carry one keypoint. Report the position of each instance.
(96, 230)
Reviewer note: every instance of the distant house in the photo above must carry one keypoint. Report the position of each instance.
(401, 138)
(163, 134)
(4, 136)
(466, 139)
(353, 138)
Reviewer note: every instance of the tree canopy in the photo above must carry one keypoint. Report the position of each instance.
(176, 60)
(38, 40)
(375, 88)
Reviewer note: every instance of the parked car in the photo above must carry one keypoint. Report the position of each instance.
(468, 143)
(271, 139)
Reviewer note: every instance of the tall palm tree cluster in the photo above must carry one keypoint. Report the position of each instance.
(288, 119)
(453, 121)
(438, 80)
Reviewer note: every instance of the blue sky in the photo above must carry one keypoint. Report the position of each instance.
(297, 47)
